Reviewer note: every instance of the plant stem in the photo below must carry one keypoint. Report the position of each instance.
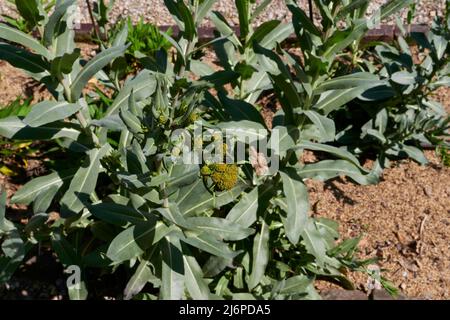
(84, 124)
(80, 117)
(311, 14)
(181, 73)
(94, 23)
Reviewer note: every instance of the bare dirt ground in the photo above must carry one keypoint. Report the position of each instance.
(404, 220)
(15, 83)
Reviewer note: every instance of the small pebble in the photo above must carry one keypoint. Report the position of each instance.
(428, 191)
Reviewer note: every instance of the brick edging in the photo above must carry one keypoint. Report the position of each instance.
(386, 33)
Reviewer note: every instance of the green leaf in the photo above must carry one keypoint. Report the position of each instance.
(329, 169)
(5, 225)
(329, 229)
(18, 107)
(117, 214)
(92, 67)
(196, 198)
(139, 279)
(64, 64)
(342, 39)
(305, 23)
(182, 16)
(29, 10)
(334, 99)
(244, 131)
(113, 123)
(195, 283)
(216, 265)
(50, 111)
(224, 28)
(243, 8)
(298, 204)
(121, 38)
(201, 69)
(172, 284)
(13, 245)
(287, 135)
(173, 214)
(295, 285)
(7, 268)
(221, 228)
(260, 256)
(360, 79)
(260, 8)
(142, 86)
(132, 122)
(23, 59)
(133, 241)
(64, 42)
(338, 152)
(404, 77)
(32, 189)
(209, 243)
(240, 110)
(440, 45)
(45, 199)
(203, 10)
(176, 45)
(244, 212)
(314, 242)
(244, 70)
(283, 83)
(185, 15)
(17, 36)
(15, 252)
(221, 77)
(392, 7)
(327, 130)
(182, 175)
(348, 246)
(442, 81)
(67, 254)
(259, 82)
(351, 7)
(14, 128)
(60, 10)
(277, 35)
(83, 183)
(414, 153)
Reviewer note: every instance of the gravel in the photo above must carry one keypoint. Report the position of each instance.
(404, 222)
(154, 11)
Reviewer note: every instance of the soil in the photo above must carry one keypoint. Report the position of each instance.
(15, 83)
(404, 220)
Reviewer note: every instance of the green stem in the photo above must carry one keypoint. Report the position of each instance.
(311, 13)
(94, 23)
(81, 119)
(162, 186)
(84, 124)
